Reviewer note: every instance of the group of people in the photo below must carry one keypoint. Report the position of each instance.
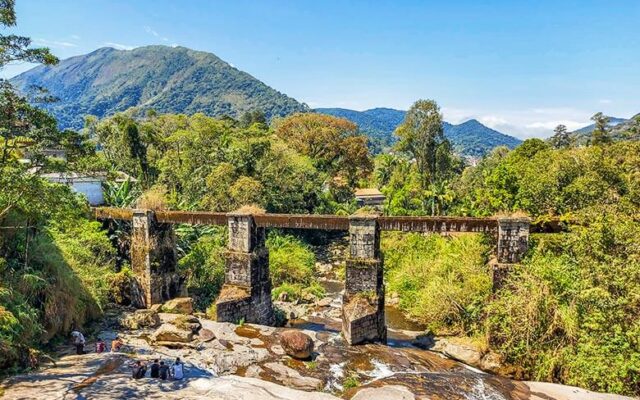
(79, 341)
(159, 370)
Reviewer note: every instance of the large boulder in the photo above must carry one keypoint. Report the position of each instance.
(171, 333)
(187, 322)
(179, 305)
(296, 344)
(141, 319)
(465, 353)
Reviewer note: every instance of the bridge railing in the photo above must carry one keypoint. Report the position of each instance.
(313, 221)
(246, 293)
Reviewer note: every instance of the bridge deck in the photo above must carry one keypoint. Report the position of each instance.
(314, 221)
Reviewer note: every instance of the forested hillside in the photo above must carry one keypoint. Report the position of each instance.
(166, 79)
(469, 138)
(621, 129)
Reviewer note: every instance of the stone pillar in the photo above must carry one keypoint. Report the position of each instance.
(363, 300)
(513, 242)
(246, 293)
(153, 259)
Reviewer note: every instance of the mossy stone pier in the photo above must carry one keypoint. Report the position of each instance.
(153, 259)
(513, 243)
(363, 300)
(246, 293)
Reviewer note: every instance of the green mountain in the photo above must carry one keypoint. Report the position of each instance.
(470, 138)
(621, 129)
(585, 131)
(167, 79)
(378, 123)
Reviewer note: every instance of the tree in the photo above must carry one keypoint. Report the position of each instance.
(422, 136)
(601, 134)
(333, 143)
(21, 125)
(253, 117)
(16, 48)
(561, 138)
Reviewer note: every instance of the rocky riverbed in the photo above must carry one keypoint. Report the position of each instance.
(228, 361)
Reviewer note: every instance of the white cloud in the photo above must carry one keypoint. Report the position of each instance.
(605, 101)
(155, 33)
(523, 123)
(119, 46)
(493, 121)
(75, 37)
(55, 43)
(149, 30)
(551, 125)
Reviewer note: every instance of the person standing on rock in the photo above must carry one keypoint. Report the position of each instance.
(78, 341)
(177, 370)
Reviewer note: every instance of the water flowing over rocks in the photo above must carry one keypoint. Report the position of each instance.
(228, 361)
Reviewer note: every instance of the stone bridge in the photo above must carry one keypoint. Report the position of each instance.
(246, 293)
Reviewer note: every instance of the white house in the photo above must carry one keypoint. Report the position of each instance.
(88, 185)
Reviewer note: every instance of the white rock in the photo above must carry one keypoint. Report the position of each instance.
(395, 392)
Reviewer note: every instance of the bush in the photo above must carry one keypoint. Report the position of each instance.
(569, 314)
(442, 282)
(56, 274)
(290, 260)
(203, 267)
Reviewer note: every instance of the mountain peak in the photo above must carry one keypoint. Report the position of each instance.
(167, 79)
(470, 138)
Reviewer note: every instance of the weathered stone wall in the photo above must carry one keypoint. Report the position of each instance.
(513, 239)
(246, 293)
(153, 259)
(363, 317)
(513, 243)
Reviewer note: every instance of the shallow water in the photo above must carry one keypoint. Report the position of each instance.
(399, 362)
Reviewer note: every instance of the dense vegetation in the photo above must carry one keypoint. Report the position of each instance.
(469, 138)
(167, 79)
(569, 313)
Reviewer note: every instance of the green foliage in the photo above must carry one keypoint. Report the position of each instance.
(351, 382)
(421, 135)
(290, 260)
(203, 266)
(542, 181)
(442, 282)
(161, 78)
(56, 267)
(570, 311)
(292, 267)
(16, 48)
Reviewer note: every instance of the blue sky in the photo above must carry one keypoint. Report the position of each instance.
(520, 67)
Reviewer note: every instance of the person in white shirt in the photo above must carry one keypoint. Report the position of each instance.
(177, 369)
(78, 341)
